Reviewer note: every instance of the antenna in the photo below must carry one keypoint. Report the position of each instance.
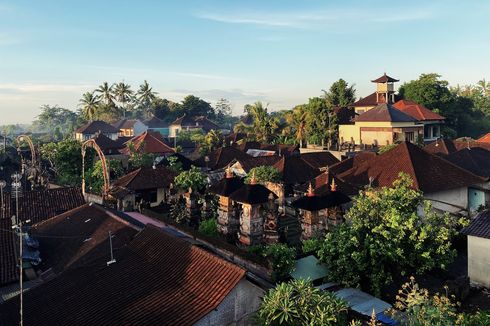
(112, 261)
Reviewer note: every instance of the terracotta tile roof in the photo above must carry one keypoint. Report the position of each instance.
(252, 194)
(124, 124)
(370, 100)
(146, 178)
(40, 205)
(78, 236)
(319, 159)
(322, 182)
(418, 111)
(148, 142)
(441, 147)
(246, 145)
(295, 170)
(226, 186)
(385, 112)
(476, 160)
(385, 79)
(479, 226)
(460, 144)
(157, 279)
(430, 173)
(234, 137)
(155, 123)
(221, 157)
(253, 162)
(318, 202)
(281, 149)
(97, 126)
(106, 144)
(195, 122)
(485, 138)
(351, 162)
(8, 258)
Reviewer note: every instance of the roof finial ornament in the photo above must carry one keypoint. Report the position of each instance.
(333, 186)
(310, 192)
(229, 173)
(327, 173)
(253, 180)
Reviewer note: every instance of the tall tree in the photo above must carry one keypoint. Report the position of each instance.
(194, 106)
(89, 104)
(341, 94)
(223, 111)
(106, 93)
(384, 238)
(123, 94)
(321, 123)
(55, 116)
(459, 109)
(146, 96)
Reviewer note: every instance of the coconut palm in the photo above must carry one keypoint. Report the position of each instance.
(106, 93)
(146, 95)
(123, 95)
(89, 104)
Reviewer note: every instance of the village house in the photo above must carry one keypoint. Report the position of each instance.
(150, 185)
(129, 127)
(446, 185)
(91, 129)
(432, 121)
(149, 142)
(478, 233)
(188, 123)
(157, 125)
(163, 279)
(382, 125)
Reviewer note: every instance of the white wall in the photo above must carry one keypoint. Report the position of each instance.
(139, 128)
(238, 307)
(479, 260)
(452, 201)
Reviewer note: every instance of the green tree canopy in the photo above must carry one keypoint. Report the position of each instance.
(321, 122)
(194, 106)
(463, 117)
(95, 180)
(299, 303)
(384, 238)
(65, 160)
(341, 94)
(55, 116)
(264, 173)
(193, 179)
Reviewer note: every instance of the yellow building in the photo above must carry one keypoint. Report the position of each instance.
(381, 125)
(385, 93)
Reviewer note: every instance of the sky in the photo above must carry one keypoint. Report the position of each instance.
(279, 52)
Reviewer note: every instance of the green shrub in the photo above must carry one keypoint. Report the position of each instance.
(311, 245)
(209, 227)
(299, 303)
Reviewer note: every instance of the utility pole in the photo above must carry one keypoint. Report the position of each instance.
(17, 191)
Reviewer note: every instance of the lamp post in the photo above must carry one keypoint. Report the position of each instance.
(17, 192)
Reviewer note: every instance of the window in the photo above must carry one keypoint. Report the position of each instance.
(410, 136)
(427, 131)
(436, 131)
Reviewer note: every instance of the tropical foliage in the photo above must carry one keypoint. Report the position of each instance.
(416, 307)
(209, 227)
(384, 238)
(299, 303)
(193, 179)
(95, 181)
(265, 173)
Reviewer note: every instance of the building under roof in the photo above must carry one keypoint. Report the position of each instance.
(39, 205)
(79, 236)
(97, 126)
(145, 178)
(221, 157)
(149, 142)
(430, 173)
(157, 279)
(417, 111)
(476, 160)
(385, 112)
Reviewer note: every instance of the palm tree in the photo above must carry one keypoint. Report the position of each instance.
(106, 93)
(146, 95)
(89, 103)
(123, 94)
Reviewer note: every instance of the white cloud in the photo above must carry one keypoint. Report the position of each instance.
(40, 88)
(315, 18)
